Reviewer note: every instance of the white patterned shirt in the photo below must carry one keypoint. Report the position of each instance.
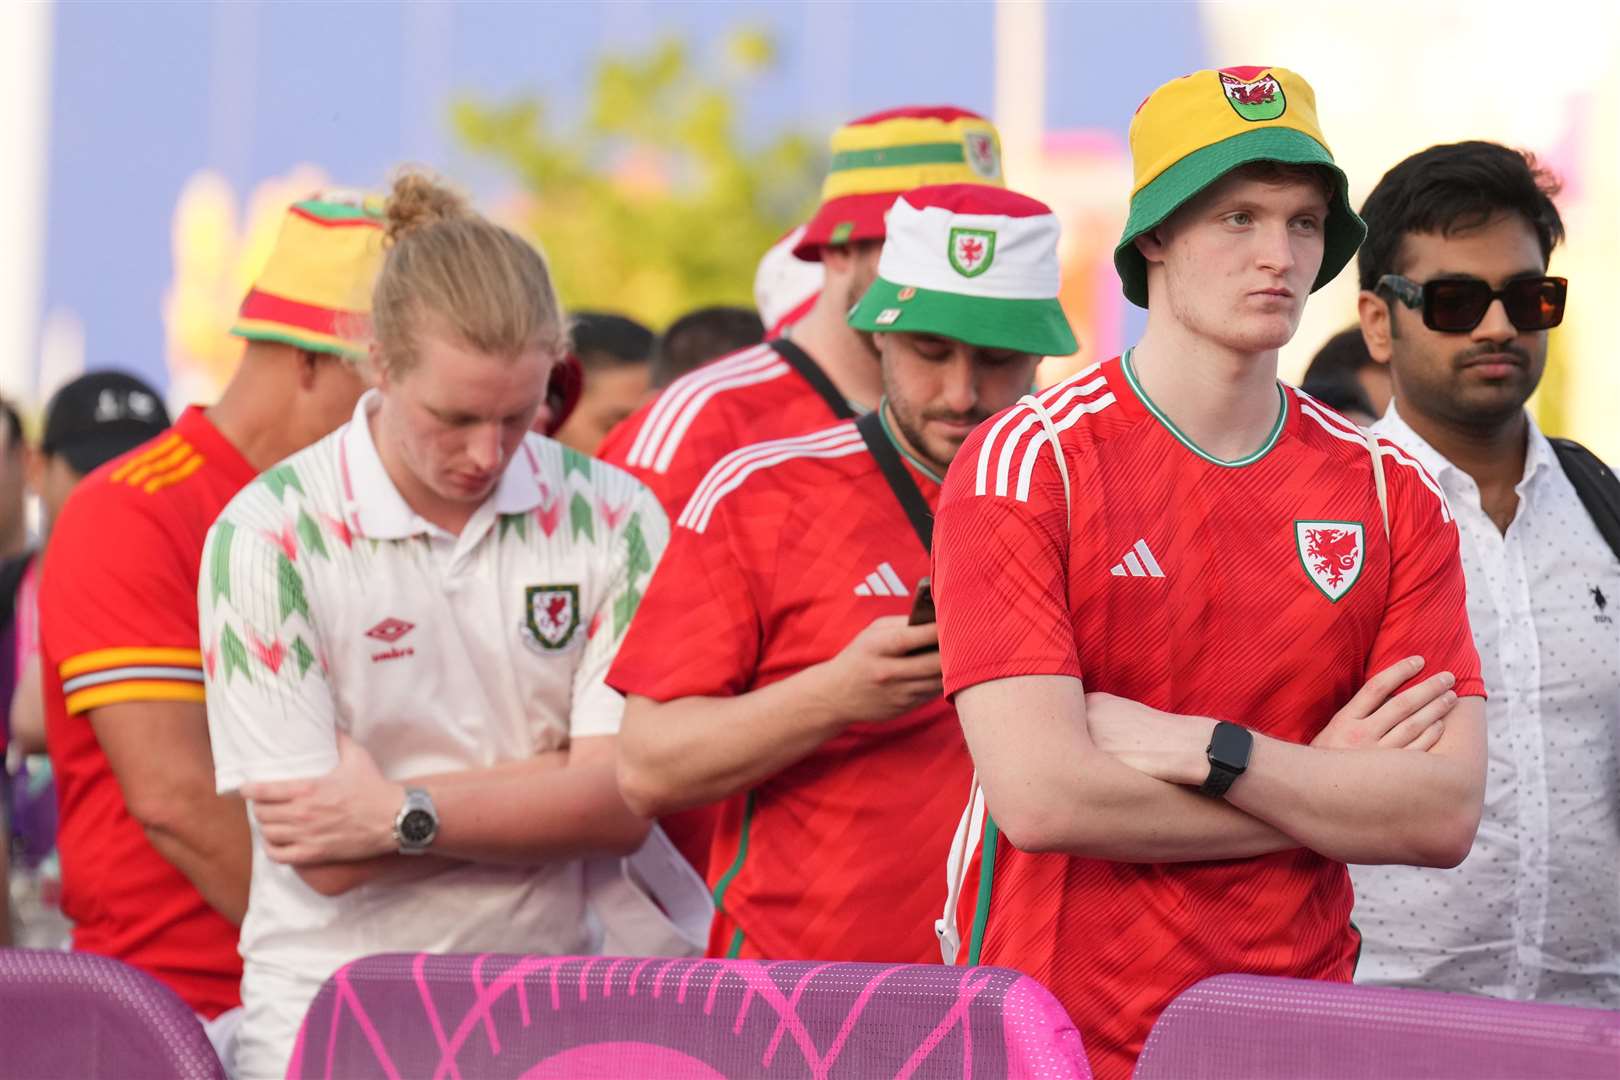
(1533, 913)
(327, 604)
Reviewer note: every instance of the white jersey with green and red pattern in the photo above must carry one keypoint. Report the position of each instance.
(327, 605)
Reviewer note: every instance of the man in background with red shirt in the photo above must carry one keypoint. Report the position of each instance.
(826, 371)
(772, 657)
(154, 864)
(1223, 562)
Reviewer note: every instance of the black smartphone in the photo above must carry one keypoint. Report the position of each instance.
(922, 604)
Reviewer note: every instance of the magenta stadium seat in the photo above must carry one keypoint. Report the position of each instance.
(1261, 1028)
(72, 1014)
(575, 1018)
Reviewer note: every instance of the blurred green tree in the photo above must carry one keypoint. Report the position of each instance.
(652, 204)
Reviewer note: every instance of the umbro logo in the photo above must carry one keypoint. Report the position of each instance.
(1138, 562)
(882, 582)
(390, 630)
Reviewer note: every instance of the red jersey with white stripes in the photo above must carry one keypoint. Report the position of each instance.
(670, 444)
(787, 550)
(1262, 591)
(751, 396)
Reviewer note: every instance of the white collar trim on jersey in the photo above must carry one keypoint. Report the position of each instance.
(376, 509)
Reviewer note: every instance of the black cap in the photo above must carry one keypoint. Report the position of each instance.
(98, 416)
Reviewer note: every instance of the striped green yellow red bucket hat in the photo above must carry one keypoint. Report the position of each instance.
(877, 157)
(973, 263)
(315, 291)
(1192, 131)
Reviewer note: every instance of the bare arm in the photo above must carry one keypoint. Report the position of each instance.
(160, 753)
(1050, 788)
(28, 709)
(1365, 806)
(698, 750)
(1372, 805)
(1024, 732)
(548, 807)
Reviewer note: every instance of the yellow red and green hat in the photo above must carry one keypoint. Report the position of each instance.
(973, 263)
(877, 157)
(315, 290)
(1192, 131)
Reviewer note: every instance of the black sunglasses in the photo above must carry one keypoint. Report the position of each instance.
(1457, 305)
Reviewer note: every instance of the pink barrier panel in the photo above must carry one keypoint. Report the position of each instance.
(72, 1014)
(551, 1018)
(1259, 1028)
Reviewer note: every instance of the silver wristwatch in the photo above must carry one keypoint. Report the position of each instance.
(417, 822)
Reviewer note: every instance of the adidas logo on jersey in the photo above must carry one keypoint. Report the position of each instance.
(882, 582)
(1138, 562)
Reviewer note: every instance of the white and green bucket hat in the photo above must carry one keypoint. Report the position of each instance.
(973, 263)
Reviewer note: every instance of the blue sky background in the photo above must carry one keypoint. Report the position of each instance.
(146, 94)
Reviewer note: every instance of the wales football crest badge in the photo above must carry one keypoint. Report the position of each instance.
(1332, 553)
(972, 251)
(982, 158)
(1253, 93)
(551, 615)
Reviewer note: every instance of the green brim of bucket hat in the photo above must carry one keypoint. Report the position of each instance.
(1201, 168)
(1026, 326)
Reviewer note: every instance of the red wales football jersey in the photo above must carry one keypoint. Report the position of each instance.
(751, 396)
(1262, 591)
(670, 444)
(118, 623)
(787, 551)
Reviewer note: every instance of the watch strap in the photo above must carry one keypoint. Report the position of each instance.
(1219, 781)
(1228, 752)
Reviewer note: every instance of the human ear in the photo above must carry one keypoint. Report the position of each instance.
(1377, 327)
(1151, 245)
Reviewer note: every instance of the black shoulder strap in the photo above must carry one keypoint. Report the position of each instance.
(900, 482)
(1597, 486)
(811, 373)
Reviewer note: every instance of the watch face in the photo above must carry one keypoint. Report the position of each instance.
(417, 827)
(1230, 746)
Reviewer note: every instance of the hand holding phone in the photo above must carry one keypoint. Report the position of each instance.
(922, 604)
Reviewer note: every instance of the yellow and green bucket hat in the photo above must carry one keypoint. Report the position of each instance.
(1194, 130)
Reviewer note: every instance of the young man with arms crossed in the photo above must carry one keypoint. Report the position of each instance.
(1457, 302)
(772, 657)
(154, 863)
(1142, 644)
(827, 371)
(405, 629)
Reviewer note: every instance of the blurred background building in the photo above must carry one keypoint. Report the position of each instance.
(656, 147)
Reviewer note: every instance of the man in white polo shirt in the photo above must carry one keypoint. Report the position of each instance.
(405, 630)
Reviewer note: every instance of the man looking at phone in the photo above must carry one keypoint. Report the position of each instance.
(774, 656)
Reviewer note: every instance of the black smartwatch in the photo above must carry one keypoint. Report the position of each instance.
(1228, 752)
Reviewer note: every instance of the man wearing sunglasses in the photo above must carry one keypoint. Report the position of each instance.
(1457, 301)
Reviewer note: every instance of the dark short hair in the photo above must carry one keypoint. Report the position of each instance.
(11, 422)
(703, 335)
(602, 340)
(1341, 392)
(1343, 357)
(1450, 187)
